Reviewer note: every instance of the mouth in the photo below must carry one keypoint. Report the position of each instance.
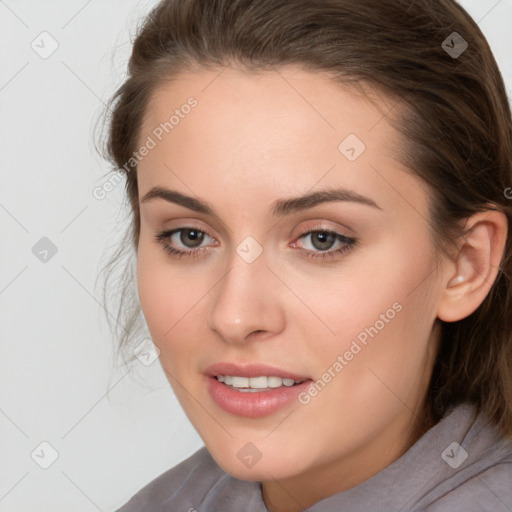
(258, 384)
(253, 390)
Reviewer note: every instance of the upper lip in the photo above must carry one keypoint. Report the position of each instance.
(251, 370)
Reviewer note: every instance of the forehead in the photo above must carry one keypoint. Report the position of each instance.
(288, 94)
(285, 129)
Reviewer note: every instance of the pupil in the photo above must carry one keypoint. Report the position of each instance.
(191, 235)
(325, 240)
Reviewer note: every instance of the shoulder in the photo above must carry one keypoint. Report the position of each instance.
(488, 491)
(478, 475)
(183, 487)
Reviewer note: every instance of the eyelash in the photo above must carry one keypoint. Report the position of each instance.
(349, 243)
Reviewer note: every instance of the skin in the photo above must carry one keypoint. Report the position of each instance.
(254, 139)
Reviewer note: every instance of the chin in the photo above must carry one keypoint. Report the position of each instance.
(239, 464)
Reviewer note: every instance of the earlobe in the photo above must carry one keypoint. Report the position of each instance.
(476, 266)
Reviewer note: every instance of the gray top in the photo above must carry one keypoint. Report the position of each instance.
(462, 464)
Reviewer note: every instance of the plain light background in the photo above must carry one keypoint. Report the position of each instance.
(109, 430)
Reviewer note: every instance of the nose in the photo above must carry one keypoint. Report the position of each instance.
(247, 303)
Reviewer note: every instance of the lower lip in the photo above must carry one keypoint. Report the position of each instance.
(256, 404)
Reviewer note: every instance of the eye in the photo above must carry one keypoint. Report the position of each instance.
(173, 241)
(320, 243)
(325, 243)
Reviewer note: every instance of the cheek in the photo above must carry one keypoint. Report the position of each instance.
(381, 313)
(173, 298)
(387, 321)
(150, 288)
(165, 293)
(369, 283)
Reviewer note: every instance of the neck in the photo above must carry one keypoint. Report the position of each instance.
(299, 492)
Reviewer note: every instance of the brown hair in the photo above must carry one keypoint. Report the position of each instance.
(456, 126)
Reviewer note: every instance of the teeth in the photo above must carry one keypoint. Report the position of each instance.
(256, 382)
(240, 382)
(274, 382)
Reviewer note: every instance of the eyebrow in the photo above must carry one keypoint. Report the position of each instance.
(281, 207)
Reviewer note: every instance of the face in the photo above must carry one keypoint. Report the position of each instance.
(237, 278)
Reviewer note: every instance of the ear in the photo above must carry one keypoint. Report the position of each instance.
(473, 271)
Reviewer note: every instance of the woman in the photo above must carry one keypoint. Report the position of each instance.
(321, 216)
